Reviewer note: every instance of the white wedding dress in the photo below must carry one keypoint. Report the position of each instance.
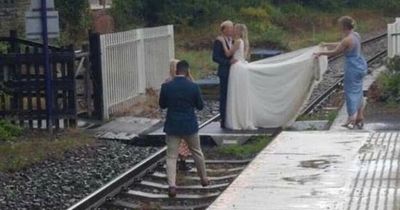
(239, 113)
(269, 93)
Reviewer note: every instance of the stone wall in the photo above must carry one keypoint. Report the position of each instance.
(12, 16)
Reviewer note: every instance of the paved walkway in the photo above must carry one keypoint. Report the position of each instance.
(320, 170)
(342, 115)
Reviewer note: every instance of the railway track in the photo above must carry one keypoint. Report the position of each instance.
(105, 197)
(374, 50)
(144, 186)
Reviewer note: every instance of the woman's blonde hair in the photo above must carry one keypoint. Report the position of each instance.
(244, 34)
(172, 70)
(172, 67)
(347, 22)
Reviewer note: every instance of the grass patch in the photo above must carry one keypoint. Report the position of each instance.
(323, 27)
(283, 31)
(247, 150)
(8, 131)
(308, 117)
(389, 82)
(28, 150)
(326, 115)
(332, 116)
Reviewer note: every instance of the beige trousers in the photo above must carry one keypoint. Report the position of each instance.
(193, 142)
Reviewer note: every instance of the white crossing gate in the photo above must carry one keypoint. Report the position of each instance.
(394, 38)
(133, 61)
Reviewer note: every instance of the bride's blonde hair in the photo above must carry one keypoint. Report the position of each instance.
(172, 70)
(244, 34)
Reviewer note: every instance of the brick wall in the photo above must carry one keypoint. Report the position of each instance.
(12, 16)
(102, 22)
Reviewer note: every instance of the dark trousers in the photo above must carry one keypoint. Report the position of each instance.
(223, 93)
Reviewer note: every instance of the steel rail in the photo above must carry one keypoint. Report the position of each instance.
(338, 83)
(126, 179)
(373, 39)
(115, 186)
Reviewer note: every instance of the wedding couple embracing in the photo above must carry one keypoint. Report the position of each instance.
(230, 51)
(267, 93)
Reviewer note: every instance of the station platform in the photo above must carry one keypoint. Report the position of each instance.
(150, 131)
(220, 136)
(317, 170)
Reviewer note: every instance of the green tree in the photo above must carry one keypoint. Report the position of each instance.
(74, 20)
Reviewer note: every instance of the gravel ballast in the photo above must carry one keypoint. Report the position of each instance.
(58, 184)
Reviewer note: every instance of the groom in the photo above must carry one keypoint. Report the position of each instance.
(224, 64)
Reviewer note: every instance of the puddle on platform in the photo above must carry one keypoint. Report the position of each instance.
(317, 164)
(371, 148)
(330, 156)
(302, 179)
(347, 142)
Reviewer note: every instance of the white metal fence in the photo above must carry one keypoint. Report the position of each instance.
(133, 61)
(394, 38)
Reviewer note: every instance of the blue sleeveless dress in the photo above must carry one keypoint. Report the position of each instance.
(354, 71)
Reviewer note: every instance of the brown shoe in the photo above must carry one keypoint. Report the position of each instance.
(172, 192)
(205, 182)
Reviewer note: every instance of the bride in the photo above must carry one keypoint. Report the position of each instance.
(239, 113)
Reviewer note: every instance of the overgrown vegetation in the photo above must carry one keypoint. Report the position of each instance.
(248, 150)
(3, 48)
(389, 81)
(268, 21)
(36, 147)
(200, 61)
(281, 24)
(74, 21)
(8, 131)
(131, 13)
(323, 115)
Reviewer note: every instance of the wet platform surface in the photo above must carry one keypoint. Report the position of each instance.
(125, 128)
(320, 170)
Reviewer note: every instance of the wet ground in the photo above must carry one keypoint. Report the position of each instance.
(382, 116)
(337, 169)
(320, 170)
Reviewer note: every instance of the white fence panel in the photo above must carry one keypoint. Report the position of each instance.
(133, 61)
(394, 38)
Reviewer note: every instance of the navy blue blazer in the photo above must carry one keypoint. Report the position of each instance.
(218, 56)
(181, 97)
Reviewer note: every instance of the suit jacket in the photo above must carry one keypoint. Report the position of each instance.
(181, 97)
(224, 62)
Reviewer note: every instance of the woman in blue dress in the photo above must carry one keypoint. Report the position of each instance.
(354, 71)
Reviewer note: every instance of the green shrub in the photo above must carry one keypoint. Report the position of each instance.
(134, 13)
(247, 150)
(393, 65)
(74, 20)
(294, 10)
(9, 131)
(389, 7)
(254, 13)
(3, 48)
(272, 36)
(256, 19)
(390, 81)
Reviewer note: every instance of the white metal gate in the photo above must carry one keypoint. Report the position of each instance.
(133, 61)
(394, 38)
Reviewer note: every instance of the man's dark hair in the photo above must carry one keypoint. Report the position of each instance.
(182, 68)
